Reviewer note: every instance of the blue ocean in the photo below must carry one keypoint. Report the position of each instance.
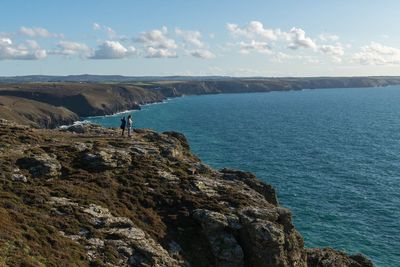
(332, 154)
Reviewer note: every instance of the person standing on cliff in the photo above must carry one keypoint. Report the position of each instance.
(129, 125)
(123, 125)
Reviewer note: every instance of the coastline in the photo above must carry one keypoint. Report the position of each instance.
(357, 93)
(55, 104)
(222, 93)
(86, 121)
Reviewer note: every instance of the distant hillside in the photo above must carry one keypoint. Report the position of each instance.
(104, 78)
(89, 78)
(84, 99)
(34, 113)
(246, 85)
(96, 95)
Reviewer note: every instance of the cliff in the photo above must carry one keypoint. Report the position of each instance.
(35, 113)
(76, 99)
(251, 85)
(99, 199)
(52, 104)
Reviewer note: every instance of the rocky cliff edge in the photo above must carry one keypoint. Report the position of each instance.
(98, 199)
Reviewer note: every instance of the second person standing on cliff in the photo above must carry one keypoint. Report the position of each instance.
(129, 125)
(123, 125)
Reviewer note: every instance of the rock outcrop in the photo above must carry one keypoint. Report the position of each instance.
(329, 257)
(94, 198)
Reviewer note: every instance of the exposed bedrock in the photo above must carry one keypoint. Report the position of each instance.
(94, 198)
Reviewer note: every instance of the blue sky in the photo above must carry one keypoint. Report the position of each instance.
(236, 38)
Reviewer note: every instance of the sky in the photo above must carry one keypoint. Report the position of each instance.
(231, 38)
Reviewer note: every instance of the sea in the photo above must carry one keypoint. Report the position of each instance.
(333, 156)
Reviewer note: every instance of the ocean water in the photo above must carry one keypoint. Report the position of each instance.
(333, 155)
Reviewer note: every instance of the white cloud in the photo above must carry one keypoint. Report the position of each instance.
(377, 54)
(68, 48)
(32, 44)
(160, 53)
(111, 33)
(191, 38)
(328, 37)
(254, 29)
(157, 44)
(202, 53)
(157, 39)
(261, 47)
(27, 51)
(194, 45)
(96, 26)
(273, 42)
(297, 39)
(262, 39)
(5, 41)
(335, 51)
(38, 32)
(112, 50)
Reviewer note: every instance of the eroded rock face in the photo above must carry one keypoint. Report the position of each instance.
(139, 201)
(217, 227)
(252, 237)
(134, 246)
(265, 189)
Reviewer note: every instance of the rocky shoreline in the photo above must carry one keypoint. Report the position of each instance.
(96, 199)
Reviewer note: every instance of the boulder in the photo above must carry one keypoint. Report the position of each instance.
(76, 128)
(327, 257)
(106, 158)
(225, 248)
(41, 165)
(180, 137)
(265, 240)
(210, 220)
(266, 190)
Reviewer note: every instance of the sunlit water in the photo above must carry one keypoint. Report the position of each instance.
(333, 156)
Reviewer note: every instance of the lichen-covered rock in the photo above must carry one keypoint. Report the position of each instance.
(224, 246)
(226, 249)
(106, 158)
(79, 146)
(210, 220)
(17, 176)
(41, 165)
(267, 242)
(86, 128)
(134, 246)
(249, 179)
(328, 257)
(77, 128)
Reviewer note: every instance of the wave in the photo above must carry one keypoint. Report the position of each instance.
(75, 123)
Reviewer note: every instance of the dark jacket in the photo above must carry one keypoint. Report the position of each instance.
(123, 123)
